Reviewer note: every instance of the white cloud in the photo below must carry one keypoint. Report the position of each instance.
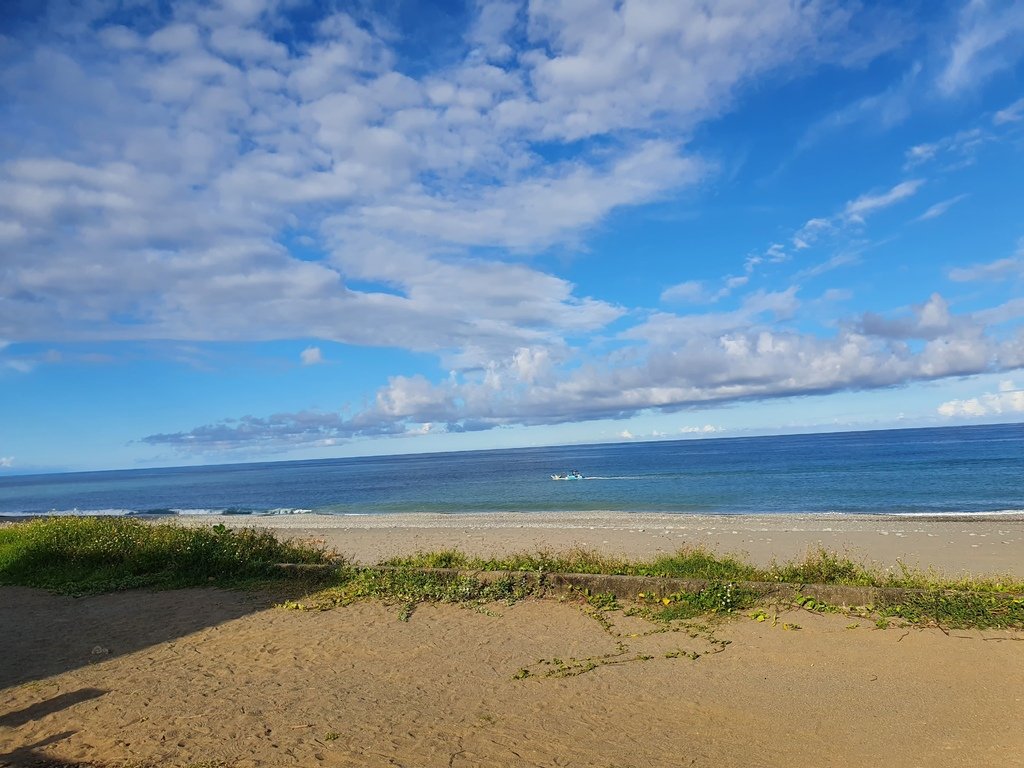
(1000, 269)
(988, 40)
(1007, 401)
(881, 110)
(159, 211)
(809, 233)
(6, 461)
(1011, 114)
(157, 178)
(176, 161)
(930, 320)
(626, 434)
(666, 363)
(940, 208)
(707, 429)
(857, 210)
(311, 356)
(606, 67)
(958, 149)
(494, 24)
(698, 292)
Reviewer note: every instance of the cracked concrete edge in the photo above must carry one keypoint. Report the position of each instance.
(628, 587)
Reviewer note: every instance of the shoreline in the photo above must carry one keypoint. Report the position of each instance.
(1011, 515)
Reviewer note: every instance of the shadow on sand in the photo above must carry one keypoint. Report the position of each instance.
(50, 634)
(47, 634)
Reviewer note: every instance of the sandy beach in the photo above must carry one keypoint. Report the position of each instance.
(212, 678)
(957, 546)
(207, 677)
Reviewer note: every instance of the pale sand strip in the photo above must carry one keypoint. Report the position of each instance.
(951, 546)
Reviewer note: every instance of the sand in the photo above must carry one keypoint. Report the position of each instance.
(956, 547)
(208, 677)
(215, 678)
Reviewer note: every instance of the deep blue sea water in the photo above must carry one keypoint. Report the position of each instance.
(957, 470)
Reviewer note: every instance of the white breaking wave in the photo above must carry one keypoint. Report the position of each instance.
(75, 512)
(989, 513)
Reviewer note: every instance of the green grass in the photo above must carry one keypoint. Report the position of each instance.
(82, 555)
(88, 555)
(573, 561)
(955, 603)
(409, 587)
(956, 610)
(818, 567)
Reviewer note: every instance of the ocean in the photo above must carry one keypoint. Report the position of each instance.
(971, 470)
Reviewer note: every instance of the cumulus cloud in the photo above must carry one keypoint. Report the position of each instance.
(6, 461)
(157, 204)
(163, 167)
(929, 320)
(1009, 400)
(666, 363)
(707, 429)
(158, 178)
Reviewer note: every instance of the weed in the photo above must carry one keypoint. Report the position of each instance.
(80, 555)
(944, 602)
(604, 601)
(713, 599)
(957, 610)
(87, 555)
(409, 588)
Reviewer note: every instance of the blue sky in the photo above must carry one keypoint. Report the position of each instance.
(269, 229)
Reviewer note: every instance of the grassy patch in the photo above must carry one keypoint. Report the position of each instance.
(720, 598)
(957, 610)
(965, 602)
(823, 567)
(93, 554)
(87, 555)
(409, 587)
(818, 567)
(573, 561)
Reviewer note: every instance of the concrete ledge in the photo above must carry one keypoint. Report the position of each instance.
(628, 587)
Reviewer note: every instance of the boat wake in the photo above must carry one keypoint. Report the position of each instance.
(615, 477)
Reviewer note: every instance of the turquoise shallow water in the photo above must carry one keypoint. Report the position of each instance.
(944, 471)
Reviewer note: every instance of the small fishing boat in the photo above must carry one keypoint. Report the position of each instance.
(574, 475)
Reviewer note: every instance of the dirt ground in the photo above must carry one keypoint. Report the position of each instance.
(208, 677)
